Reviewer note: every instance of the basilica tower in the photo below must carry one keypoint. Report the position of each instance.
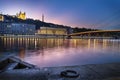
(21, 15)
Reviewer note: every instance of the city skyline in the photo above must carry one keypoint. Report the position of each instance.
(101, 14)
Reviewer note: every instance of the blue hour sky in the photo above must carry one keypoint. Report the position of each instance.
(102, 14)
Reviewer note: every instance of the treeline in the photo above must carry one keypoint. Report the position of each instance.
(76, 29)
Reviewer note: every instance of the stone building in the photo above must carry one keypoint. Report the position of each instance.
(16, 28)
(1, 17)
(21, 15)
(52, 31)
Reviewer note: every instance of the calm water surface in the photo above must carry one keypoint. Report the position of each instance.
(62, 52)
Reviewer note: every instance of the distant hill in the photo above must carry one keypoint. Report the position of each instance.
(39, 24)
(76, 29)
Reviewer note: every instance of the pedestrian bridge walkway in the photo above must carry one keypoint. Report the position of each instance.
(94, 32)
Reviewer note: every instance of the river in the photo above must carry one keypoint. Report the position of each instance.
(62, 52)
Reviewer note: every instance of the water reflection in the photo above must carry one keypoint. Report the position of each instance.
(61, 52)
(29, 43)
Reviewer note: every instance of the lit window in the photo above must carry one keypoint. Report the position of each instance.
(8, 26)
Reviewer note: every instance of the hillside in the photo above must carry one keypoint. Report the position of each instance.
(39, 24)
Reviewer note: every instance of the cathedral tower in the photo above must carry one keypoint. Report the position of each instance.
(1, 17)
(42, 17)
(21, 15)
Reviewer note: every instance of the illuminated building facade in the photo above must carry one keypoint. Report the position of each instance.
(21, 15)
(1, 17)
(52, 31)
(16, 29)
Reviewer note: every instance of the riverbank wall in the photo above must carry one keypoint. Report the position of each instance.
(108, 71)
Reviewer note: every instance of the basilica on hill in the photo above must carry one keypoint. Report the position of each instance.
(8, 25)
(20, 15)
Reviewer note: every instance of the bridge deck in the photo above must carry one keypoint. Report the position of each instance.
(90, 32)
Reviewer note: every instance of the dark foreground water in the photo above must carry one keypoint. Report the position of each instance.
(62, 52)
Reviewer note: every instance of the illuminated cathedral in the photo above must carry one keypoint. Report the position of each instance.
(21, 15)
(1, 17)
